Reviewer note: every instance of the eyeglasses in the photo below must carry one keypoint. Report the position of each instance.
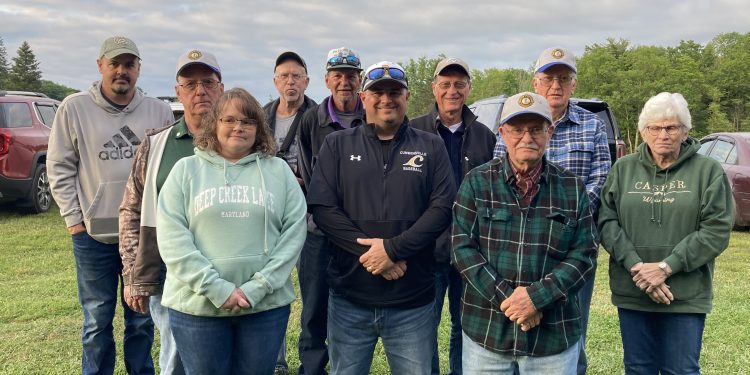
(670, 129)
(231, 121)
(459, 85)
(350, 60)
(294, 77)
(548, 80)
(518, 133)
(208, 84)
(378, 73)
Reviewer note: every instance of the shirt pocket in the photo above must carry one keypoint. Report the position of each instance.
(561, 230)
(494, 226)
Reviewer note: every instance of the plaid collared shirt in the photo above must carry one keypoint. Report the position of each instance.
(528, 183)
(579, 144)
(547, 247)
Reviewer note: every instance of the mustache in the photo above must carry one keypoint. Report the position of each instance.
(123, 77)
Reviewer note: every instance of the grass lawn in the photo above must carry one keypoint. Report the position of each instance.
(40, 319)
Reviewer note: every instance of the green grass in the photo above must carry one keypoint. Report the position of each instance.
(40, 319)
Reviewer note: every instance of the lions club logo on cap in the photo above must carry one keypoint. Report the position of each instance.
(525, 101)
(558, 53)
(194, 55)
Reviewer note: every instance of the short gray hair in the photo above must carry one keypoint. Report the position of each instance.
(665, 106)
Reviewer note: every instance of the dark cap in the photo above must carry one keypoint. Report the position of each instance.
(289, 55)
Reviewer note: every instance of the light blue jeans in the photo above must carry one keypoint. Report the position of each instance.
(169, 359)
(478, 360)
(353, 331)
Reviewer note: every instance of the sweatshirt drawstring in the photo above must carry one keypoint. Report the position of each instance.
(226, 180)
(265, 208)
(653, 195)
(654, 190)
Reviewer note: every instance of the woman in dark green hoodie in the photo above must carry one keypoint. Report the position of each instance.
(666, 214)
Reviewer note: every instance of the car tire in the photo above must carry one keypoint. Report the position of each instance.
(40, 194)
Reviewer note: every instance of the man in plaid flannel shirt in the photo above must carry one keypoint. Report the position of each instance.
(524, 243)
(578, 144)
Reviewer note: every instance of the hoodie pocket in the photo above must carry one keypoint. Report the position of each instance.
(239, 269)
(101, 216)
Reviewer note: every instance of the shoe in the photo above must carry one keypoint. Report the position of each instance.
(279, 370)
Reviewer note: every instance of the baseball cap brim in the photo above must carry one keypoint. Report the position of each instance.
(120, 51)
(551, 64)
(520, 113)
(213, 68)
(383, 80)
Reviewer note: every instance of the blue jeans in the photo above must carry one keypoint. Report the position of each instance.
(447, 278)
(584, 304)
(353, 331)
(169, 359)
(245, 344)
(312, 271)
(478, 360)
(99, 272)
(666, 342)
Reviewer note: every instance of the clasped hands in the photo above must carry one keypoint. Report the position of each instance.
(651, 279)
(520, 310)
(236, 301)
(377, 262)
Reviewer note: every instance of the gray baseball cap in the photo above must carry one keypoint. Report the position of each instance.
(451, 61)
(195, 56)
(525, 103)
(118, 45)
(555, 56)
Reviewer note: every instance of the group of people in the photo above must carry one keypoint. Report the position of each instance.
(203, 219)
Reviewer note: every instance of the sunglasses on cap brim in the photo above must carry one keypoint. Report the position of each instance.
(378, 73)
(350, 60)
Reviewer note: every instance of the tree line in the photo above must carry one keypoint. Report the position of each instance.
(24, 74)
(714, 78)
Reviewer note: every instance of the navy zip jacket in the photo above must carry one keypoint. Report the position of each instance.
(477, 146)
(407, 202)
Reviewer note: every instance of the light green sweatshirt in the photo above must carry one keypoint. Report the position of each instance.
(221, 225)
(681, 215)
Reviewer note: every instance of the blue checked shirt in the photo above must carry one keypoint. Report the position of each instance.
(579, 144)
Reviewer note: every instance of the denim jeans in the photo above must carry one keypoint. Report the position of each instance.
(447, 278)
(169, 360)
(353, 331)
(99, 272)
(245, 344)
(478, 360)
(584, 304)
(666, 342)
(312, 271)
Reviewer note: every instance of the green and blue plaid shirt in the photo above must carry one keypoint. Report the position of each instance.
(548, 247)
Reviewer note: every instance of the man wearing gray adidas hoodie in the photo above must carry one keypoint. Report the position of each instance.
(93, 141)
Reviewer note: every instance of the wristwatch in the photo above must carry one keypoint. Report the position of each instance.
(664, 266)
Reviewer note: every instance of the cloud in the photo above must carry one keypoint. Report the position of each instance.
(246, 37)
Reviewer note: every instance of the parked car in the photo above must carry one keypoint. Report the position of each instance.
(732, 150)
(488, 111)
(25, 121)
(177, 108)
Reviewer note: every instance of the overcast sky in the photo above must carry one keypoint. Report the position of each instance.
(246, 36)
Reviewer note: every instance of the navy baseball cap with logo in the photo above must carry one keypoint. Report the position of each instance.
(289, 55)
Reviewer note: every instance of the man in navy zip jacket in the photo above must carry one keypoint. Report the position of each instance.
(469, 144)
(382, 194)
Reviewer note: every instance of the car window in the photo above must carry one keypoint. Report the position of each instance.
(705, 146)
(732, 157)
(489, 115)
(15, 115)
(721, 150)
(46, 113)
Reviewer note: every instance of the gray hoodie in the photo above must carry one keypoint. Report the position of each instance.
(91, 150)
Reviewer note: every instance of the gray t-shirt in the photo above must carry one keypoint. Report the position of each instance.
(282, 128)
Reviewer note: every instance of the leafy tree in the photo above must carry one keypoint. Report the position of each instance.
(493, 82)
(56, 90)
(25, 74)
(420, 73)
(730, 75)
(3, 64)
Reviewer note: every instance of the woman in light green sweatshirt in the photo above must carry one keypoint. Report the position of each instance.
(666, 214)
(230, 226)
